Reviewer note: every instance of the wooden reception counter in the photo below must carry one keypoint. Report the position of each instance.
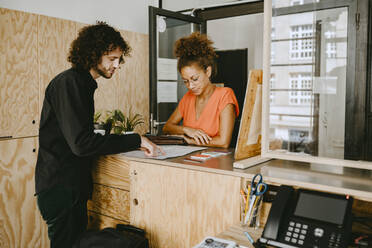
(178, 202)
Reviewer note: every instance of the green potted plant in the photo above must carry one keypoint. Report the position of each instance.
(122, 124)
(101, 125)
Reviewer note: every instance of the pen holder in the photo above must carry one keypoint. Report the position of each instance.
(250, 213)
(242, 214)
(254, 220)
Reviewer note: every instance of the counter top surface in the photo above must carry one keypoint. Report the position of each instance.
(236, 233)
(335, 179)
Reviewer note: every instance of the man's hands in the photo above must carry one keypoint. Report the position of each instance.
(151, 149)
(196, 136)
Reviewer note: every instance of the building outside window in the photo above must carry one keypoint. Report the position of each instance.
(331, 49)
(272, 86)
(301, 85)
(301, 44)
(272, 57)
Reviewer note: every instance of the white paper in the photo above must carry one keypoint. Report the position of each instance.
(167, 69)
(171, 151)
(167, 91)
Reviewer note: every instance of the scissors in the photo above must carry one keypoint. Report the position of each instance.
(260, 187)
(257, 189)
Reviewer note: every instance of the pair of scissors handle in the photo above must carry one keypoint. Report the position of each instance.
(259, 176)
(260, 186)
(260, 189)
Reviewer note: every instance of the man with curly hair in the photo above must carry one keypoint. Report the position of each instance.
(67, 142)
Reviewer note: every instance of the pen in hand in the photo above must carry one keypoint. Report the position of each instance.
(158, 151)
(151, 149)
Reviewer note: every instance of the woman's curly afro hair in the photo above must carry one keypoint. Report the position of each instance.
(195, 48)
(94, 41)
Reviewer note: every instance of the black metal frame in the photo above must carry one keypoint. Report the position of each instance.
(368, 137)
(153, 12)
(219, 12)
(355, 121)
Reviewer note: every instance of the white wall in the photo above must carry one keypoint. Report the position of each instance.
(177, 5)
(129, 15)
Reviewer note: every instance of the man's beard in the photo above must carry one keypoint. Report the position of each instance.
(103, 74)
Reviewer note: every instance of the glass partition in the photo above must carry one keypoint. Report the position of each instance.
(166, 87)
(308, 55)
(170, 87)
(310, 78)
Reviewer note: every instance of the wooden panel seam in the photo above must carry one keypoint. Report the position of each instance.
(112, 217)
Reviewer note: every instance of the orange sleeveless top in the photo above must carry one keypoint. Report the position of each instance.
(209, 119)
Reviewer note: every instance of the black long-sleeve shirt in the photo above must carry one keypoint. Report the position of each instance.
(67, 143)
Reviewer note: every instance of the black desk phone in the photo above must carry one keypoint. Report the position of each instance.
(304, 218)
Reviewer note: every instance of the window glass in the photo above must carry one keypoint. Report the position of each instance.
(308, 79)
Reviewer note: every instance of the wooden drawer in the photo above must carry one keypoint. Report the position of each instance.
(110, 202)
(112, 171)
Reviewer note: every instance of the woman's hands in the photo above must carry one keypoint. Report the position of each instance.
(196, 136)
(191, 135)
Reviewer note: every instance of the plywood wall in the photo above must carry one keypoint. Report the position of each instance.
(18, 74)
(34, 49)
(54, 38)
(134, 78)
(20, 222)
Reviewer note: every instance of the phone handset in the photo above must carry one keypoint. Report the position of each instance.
(277, 212)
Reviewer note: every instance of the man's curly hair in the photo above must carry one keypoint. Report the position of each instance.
(93, 42)
(195, 48)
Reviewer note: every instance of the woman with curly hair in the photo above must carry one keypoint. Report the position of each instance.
(208, 112)
(67, 142)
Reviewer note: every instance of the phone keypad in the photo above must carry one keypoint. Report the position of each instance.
(296, 233)
(334, 240)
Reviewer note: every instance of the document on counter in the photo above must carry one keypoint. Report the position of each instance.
(171, 151)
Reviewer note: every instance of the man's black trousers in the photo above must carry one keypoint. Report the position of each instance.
(65, 213)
